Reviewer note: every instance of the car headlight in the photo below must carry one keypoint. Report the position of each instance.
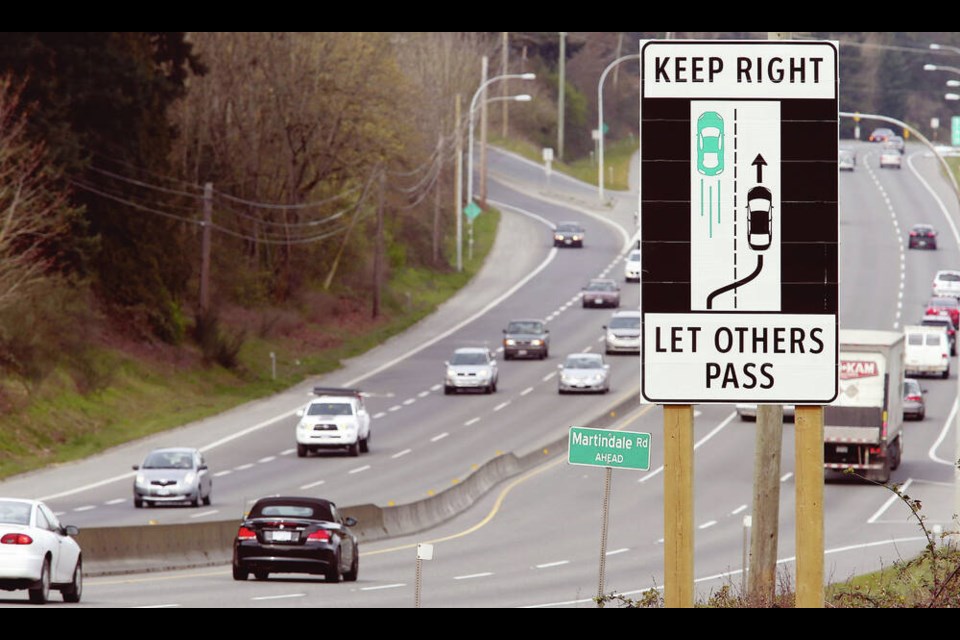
(575, 238)
(483, 374)
(509, 342)
(189, 478)
(598, 378)
(558, 237)
(141, 479)
(536, 343)
(451, 375)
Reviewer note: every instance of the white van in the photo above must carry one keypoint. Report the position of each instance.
(927, 351)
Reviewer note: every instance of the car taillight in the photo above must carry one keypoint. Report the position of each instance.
(16, 538)
(321, 535)
(246, 534)
(874, 451)
(913, 234)
(914, 398)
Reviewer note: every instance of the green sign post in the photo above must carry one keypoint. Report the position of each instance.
(608, 448)
(472, 211)
(955, 131)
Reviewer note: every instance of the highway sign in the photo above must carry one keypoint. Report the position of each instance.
(472, 211)
(608, 448)
(739, 221)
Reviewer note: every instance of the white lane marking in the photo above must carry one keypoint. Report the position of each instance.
(384, 586)
(943, 435)
(243, 467)
(707, 525)
(88, 507)
(697, 414)
(115, 501)
(423, 394)
(439, 437)
(156, 606)
(705, 438)
(220, 474)
(59, 513)
(287, 452)
(601, 339)
(395, 407)
(739, 509)
(400, 454)
(377, 416)
(548, 565)
(889, 502)
(943, 207)
(267, 459)
(735, 572)
(660, 541)
(204, 514)
(436, 387)
(482, 312)
(359, 469)
(285, 596)
(474, 575)
(896, 229)
(549, 376)
(409, 402)
(616, 552)
(471, 421)
(501, 405)
(588, 349)
(786, 476)
(526, 391)
(312, 485)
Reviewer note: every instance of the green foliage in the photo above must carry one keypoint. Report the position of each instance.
(218, 346)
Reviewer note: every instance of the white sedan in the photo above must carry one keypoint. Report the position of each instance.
(37, 552)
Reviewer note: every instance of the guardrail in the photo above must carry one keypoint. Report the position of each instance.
(119, 550)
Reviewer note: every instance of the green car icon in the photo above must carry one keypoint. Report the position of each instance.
(710, 143)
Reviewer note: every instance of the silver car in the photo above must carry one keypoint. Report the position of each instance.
(584, 372)
(172, 475)
(471, 368)
(622, 335)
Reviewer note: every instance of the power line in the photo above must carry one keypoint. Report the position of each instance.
(288, 207)
(146, 185)
(130, 203)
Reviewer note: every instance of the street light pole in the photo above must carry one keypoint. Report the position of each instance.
(940, 47)
(563, 86)
(603, 77)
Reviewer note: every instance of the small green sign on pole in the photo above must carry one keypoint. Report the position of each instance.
(955, 131)
(609, 448)
(472, 211)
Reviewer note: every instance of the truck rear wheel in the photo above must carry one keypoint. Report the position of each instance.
(895, 453)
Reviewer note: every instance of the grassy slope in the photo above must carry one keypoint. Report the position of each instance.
(616, 155)
(145, 396)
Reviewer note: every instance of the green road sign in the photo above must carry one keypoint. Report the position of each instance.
(472, 211)
(955, 131)
(606, 128)
(608, 448)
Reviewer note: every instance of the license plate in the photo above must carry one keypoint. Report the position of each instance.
(598, 301)
(282, 536)
(842, 449)
(567, 241)
(522, 352)
(163, 492)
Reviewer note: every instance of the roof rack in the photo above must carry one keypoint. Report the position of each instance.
(336, 391)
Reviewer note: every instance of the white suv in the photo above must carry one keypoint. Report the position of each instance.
(335, 419)
(947, 283)
(631, 270)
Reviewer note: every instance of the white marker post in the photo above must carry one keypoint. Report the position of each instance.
(424, 552)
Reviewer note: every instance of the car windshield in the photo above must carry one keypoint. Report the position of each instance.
(310, 511)
(330, 409)
(582, 362)
(568, 228)
(470, 357)
(634, 256)
(911, 388)
(947, 303)
(14, 512)
(169, 460)
(525, 327)
(627, 322)
(602, 286)
(948, 277)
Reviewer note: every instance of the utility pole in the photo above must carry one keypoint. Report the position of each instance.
(616, 70)
(458, 187)
(482, 195)
(562, 98)
(378, 252)
(205, 250)
(436, 200)
(504, 55)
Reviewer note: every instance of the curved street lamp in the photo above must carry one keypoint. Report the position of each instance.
(603, 77)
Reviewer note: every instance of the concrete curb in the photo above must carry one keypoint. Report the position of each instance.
(146, 548)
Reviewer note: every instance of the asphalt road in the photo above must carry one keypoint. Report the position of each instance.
(534, 541)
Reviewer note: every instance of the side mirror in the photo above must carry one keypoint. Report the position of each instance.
(446, 363)
(203, 467)
(299, 413)
(546, 330)
(604, 327)
(350, 521)
(504, 331)
(136, 467)
(606, 366)
(924, 391)
(71, 530)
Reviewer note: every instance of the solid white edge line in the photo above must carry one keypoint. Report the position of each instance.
(474, 575)
(886, 505)
(705, 438)
(943, 436)
(384, 586)
(943, 207)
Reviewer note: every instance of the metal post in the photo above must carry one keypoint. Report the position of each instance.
(458, 187)
(809, 474)
(419, 582)
(608, 476)
(678, 505)
(600, 141)
(504, 55)
(273, 365)
(483, 136)
(205, 249)
(561, 100)
(378, 249)
(745, 562)
(470, 240)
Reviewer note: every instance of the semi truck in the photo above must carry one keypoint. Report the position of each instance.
(863, 427)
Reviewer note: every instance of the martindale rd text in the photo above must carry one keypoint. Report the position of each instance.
(753, 69)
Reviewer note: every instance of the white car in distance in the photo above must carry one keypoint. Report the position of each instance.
(37, 553)
(335, 419)
(631, 270)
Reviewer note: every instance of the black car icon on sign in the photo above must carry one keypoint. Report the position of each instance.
(759, 218)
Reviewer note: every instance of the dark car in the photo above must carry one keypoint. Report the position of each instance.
(943, 320)
(601, 293)
(943, 304)
(923, 236)
(881, 135)
(526, 338)
(913, 404)
(296, 535)
(759, 218)
(568, 234)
